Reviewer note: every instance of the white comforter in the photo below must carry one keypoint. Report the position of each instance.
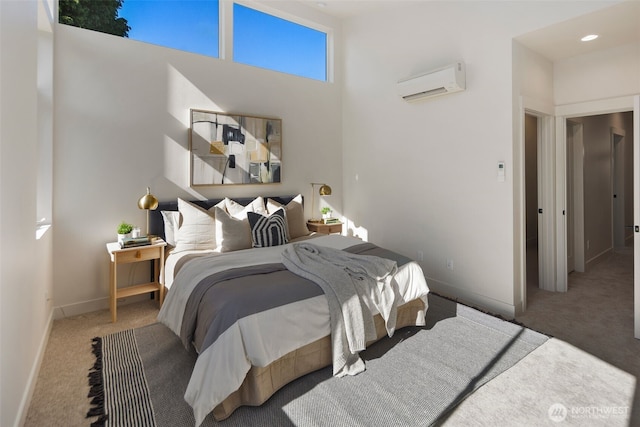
(222, 367)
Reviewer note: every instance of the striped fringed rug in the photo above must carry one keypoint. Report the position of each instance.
(118, 387)
(416, 378)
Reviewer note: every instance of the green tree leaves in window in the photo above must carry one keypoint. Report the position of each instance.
(97, 15)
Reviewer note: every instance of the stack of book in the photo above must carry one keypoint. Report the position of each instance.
(331, 221)
(131, 242)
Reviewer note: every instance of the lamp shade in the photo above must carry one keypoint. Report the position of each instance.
(148, 201)
(325, 190)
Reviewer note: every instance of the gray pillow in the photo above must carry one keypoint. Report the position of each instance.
(232, 234)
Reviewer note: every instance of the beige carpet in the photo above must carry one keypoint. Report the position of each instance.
(556, 384)
(60, 397)
(596, 315)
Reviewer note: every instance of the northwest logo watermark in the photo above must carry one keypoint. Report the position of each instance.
(559, 412)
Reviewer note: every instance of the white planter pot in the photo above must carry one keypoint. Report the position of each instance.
(121, 237)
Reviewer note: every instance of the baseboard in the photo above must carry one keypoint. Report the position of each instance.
(596, 259)
(472, 299)
(23, 410)
(75, 309)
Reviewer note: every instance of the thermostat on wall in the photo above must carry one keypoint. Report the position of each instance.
(500, 171)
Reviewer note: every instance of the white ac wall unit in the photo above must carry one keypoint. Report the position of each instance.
(442, 81)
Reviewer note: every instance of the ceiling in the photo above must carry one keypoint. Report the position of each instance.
(346, 8)
(616, 25)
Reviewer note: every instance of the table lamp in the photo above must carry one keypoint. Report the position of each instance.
(324, 190)
(148, 202)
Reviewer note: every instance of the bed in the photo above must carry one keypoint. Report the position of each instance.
(281, 329)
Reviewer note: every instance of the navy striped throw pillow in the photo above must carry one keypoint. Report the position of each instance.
(268, 230)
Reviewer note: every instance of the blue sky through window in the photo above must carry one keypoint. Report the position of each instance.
(189, 25)
(259, 39)
(270, 42)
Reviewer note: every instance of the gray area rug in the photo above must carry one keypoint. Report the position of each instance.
(414, 378)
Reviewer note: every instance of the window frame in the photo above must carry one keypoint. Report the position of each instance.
(219, 35)
(227, 33)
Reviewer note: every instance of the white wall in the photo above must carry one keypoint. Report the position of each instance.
(532, 94)
(532, 83)
(532, 78)
(422, 177)
(122, 119)
(25, 263)
(603, 74)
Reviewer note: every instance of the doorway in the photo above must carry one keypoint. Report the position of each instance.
(575, 197)
(623, 173)
(554, 168)
(599, 185)
(531, 198)
(572, 186)
(539, 201)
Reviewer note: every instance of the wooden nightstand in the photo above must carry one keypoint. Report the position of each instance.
(118, 256)
(319, 227)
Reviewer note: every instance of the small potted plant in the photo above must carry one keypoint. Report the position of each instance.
(326, 212)
(124, 231)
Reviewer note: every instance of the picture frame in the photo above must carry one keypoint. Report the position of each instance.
(232, 149)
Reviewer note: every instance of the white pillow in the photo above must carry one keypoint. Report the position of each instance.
(198, 229)
(294, 212)
(232, 227)
(239, 211)
(221, 204)
(232, 234)
(171, 226)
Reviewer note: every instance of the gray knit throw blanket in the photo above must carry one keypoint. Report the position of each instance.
(354, 285)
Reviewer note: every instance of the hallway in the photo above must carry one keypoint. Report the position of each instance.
(595, 315)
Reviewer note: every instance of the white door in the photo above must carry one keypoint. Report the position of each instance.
(636, 214)
(569, 203)
(575, 204)
(617, 138)
(546, 204)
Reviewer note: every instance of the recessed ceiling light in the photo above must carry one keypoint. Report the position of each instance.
(321, 4)
(589, 37)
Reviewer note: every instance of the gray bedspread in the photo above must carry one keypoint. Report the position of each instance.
(354, 285)
(221, 299)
